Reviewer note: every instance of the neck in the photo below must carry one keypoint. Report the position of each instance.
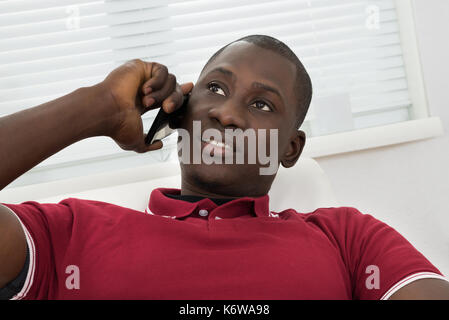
(208, 190)
(189, 189)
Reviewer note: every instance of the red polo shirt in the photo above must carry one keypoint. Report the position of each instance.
(84, 249)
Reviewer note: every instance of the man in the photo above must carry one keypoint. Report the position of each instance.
(216, 237)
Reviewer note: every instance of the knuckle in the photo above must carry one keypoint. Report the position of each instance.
(161, 67)
(164, 68)
(172, 78)
(172, 81)
(136, 61)
(157, 99)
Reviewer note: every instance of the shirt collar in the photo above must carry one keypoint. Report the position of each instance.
(160, 204)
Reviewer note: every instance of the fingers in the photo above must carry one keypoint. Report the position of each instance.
(176, 99)
(157, 96)
(162, 90)
(142, 147)
(173, 101)
(156, 80)
(168, 98)
(154, 146)
(186, 88)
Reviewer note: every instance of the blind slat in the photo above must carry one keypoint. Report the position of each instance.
(126, 53)
(23, 6)
(10, 94)
(203, 15)
(86, 71)
(248, 18)
(72, 36)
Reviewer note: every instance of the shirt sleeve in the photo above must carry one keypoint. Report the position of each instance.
(47, 228)
(379, 260)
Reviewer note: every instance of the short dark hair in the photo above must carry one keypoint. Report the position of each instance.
(303, 85)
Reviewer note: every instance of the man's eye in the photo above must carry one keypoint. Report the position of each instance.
(259, 104)
(216, 89)
(262, 106)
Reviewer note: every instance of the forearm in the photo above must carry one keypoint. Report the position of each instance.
(30, 136)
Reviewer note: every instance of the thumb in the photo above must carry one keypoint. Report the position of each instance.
(186, 87)
(142, 147)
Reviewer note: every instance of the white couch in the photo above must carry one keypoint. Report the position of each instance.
(304, 187)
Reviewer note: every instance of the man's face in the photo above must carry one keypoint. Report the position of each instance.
(245, 87)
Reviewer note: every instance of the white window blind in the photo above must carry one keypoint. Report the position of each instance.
(351, 49)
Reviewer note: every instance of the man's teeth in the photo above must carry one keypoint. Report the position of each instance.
(217, 143)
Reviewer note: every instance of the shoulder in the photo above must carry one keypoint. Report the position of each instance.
(345, 226)
(338, 216)
(94, 204)
(66, 211)
(97, 210)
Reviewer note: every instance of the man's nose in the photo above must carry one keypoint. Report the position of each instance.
(230, 114)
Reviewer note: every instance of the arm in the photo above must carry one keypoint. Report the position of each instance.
(111, 108)
(424, 289)
(29, 137)
(12, 246)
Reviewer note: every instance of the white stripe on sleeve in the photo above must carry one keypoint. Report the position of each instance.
(407, 280)
(31, 268)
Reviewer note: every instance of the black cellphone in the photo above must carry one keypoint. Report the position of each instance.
(163, 124)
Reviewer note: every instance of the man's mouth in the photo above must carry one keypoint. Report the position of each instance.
(217, 148)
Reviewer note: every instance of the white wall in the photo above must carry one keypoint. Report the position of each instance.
(407, 186)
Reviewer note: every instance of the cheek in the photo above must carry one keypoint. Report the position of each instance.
(277, 141)
(197, 109)
(192, 113)
(273, 130)
(186, 121)
(284, 139)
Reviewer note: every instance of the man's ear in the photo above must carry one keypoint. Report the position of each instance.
(294, 149)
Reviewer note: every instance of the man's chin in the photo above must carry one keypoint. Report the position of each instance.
(218, 173)
(229, 179)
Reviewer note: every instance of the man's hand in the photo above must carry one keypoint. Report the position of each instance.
(112, 108)
(135, 88)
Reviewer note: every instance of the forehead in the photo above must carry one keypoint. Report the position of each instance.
(250, 62)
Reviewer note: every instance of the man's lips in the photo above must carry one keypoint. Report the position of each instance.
(217, 148)
(217, 144)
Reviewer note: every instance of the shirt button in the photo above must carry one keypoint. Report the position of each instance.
(203, 213)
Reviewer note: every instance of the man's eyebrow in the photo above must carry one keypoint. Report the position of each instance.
(224, 71)
(256, 85)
